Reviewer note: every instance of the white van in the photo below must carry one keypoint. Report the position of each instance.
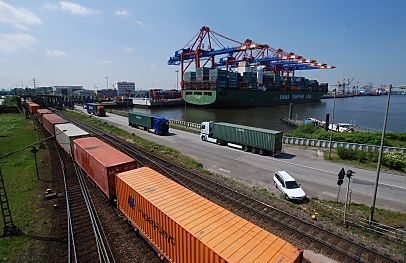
(288, 186)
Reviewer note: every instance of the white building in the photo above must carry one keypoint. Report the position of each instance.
(125, 88)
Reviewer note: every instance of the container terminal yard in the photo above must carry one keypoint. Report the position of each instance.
(255, 154)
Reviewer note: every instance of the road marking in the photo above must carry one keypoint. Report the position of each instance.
(224, 170)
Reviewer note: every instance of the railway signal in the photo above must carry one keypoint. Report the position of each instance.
(340, 181)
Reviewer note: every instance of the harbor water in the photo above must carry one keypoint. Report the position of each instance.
(366, 111)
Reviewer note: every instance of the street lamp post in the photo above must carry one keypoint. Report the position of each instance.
(378, 168)
(332, 123)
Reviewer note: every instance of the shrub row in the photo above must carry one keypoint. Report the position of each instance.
(393, 139)
(393, 160)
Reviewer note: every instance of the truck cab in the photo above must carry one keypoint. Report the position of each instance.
(160, 125)
(206, 131)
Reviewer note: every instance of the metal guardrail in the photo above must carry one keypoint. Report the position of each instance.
(313, 142)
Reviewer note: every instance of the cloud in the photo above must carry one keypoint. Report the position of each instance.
(140, 23)
(18, 17)
(108, 62)
(71, 7)
(55, 53)
(129, 50)
(11, 42)
(122, 12)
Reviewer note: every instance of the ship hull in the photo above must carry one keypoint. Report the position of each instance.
(248, 98)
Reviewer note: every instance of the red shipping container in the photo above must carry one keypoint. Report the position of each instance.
(101, 162)
(41, 112)
(49, 121)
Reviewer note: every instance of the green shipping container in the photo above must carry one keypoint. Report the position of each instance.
(256, 139)
(140, 119)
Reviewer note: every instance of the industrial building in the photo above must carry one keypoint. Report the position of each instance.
(125, 88)
(66, 90)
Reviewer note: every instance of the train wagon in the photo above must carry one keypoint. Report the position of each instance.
(101, 162)
(41, 112)
(66, 133)
(256, 140)
(185, 227)
(32, 107)
(155, 124)
(50, 120)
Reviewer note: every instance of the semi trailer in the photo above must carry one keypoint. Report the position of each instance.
(96, 109)
(255, 140)
(154, 124)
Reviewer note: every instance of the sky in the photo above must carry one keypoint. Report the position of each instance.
(83, 42)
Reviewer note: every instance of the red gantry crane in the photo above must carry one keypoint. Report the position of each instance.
(205, 48)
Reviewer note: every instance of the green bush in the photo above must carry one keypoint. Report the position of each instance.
(395, 160)
(363, 157)
(393, 139)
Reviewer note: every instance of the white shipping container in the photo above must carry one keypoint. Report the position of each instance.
(70, 133)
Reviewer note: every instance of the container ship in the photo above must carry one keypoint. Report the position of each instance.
(224, 89)
(246, 75)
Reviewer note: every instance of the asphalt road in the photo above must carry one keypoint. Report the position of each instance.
(317, 176)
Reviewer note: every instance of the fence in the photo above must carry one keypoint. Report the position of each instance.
(313, 142)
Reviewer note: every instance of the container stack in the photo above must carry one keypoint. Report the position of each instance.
(202, 74)
(189, 76)
(233, 80)
(250, 78)
(218, 77)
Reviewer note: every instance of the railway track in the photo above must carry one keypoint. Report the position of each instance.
(86, 238)
(344, 249)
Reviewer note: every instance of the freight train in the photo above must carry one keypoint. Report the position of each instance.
(180, 225)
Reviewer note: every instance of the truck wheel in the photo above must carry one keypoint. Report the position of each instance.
(245, 148)
(254, 150)
(262, 152)
(203, 138)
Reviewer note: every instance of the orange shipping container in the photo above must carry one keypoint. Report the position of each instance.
(101, 162)
(185, 227)
(32, 107)
(41, 112)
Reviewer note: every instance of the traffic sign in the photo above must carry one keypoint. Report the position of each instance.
(341, 174)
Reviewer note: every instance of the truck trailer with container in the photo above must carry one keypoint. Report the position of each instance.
(96, 109)
(255, 140)
(157, 125)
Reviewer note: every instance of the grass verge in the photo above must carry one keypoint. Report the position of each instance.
(23, 191)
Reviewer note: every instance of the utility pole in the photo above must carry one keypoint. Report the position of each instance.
(378, 168)
(35, 86)
(107, 82)
(332, 123)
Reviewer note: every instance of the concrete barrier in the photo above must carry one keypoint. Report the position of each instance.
(334, 144)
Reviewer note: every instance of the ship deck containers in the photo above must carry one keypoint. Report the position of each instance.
(50, 120)
(101, 162)
(32, 107)
(41, 112)
(258, 138)
(185, 227)
(66, 133)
